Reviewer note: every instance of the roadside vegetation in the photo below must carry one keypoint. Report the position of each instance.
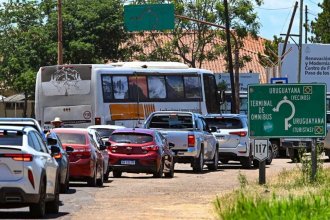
(293, 194)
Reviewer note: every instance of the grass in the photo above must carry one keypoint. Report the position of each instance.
(291, 195)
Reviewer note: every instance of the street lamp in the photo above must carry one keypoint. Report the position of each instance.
(234, 80)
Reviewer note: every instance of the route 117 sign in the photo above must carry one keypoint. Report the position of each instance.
(260, 150)
(287, 110)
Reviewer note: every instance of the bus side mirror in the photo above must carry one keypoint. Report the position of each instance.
(221, 96)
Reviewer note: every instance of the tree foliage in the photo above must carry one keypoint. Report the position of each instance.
(321, 25)
(270, 57)
(204, 44)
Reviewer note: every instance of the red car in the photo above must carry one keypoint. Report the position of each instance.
(86, 160)
(136, 150)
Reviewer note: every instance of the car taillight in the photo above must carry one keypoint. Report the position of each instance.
(20, 157)
(239, 133)
(97, 121)
(31, 179)
(191, 140)
(150, 148)
(58, 156)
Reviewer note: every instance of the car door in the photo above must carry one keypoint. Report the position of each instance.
(48, 162)
(209, 139)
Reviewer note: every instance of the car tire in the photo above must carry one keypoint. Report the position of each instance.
(159, 172)
(65, 187)
(198, 163)
(106, 175)
(116, 173)
(53, 206)
(92, 180)
(38, 210)
(215, 160)
(246, 162)
(171, 173)
(100, 181)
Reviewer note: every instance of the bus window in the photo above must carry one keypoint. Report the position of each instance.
(174, 86)
(137, 88)
(210, 90)
(120, 87)
(107, 88)
(192, 85)
(157, 89)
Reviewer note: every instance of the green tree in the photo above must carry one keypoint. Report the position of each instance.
(321, 26)
(195, 52)
(269, 58)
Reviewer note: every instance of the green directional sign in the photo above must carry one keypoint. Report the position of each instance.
(149, 17)
(287, 110)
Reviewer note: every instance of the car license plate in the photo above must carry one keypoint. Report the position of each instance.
(128, 162)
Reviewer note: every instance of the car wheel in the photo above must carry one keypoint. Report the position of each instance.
(116, 173)
(256, 163)
(171, 173)
(38, 210)
(106, 175)
(92, 180)
(65, 187)
(53, 206)
(198, 163)
(100, 181)
(214, 165)
(270, 156)
(159, 173)
(246, 162)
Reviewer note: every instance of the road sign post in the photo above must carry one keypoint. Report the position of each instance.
(260, 152)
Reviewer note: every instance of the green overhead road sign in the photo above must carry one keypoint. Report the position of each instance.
(287, 110)
(149, 17)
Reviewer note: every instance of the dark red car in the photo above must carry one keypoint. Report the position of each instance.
(140, 151)
(86, 160)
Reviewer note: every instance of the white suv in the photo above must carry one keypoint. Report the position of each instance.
(233, 139)
(29, 173)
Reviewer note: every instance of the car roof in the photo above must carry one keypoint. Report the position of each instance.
(227, 115)
(107, 126)
(22, 122)
(134, 130)
(16, 128)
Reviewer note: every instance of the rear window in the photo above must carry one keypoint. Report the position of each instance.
(171, 121)
(131, 138)
(11, 138)
(72, 138)
(104, 132)
(225, 123)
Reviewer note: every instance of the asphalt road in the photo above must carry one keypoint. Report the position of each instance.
(140, 196)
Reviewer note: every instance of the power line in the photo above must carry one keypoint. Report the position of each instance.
(274, 8)
(313, 2)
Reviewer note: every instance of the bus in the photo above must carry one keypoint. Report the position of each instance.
(121, 93)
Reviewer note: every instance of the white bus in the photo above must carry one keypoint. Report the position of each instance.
(121, 93)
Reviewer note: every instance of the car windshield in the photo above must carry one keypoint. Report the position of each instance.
(225, 123)
(71, 138)
(104, 132)
(12, 138)
(171, 121)
(133, 138)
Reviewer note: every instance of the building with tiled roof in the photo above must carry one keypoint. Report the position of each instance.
(251, 48)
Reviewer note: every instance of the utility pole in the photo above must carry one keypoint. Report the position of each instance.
(59, 33)
(233, 82)
(306, 23)
(289, 30)
(300, 39)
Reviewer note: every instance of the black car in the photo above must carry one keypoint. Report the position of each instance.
(62, 159)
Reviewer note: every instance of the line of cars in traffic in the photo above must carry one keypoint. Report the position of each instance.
(36, 166)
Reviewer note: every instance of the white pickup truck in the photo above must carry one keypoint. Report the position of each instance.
(193, 140)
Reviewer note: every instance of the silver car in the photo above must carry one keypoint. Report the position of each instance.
(233, 139)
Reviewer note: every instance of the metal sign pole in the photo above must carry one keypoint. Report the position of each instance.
(262, 172)
(314, 160)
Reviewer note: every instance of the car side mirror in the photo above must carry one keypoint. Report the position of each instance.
(69, 149)
(107, 143)
(54, 150)
(213, 129)
(103, 147)
(51, 141)
(171, 145)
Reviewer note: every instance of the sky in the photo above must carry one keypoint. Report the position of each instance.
(275, 15)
